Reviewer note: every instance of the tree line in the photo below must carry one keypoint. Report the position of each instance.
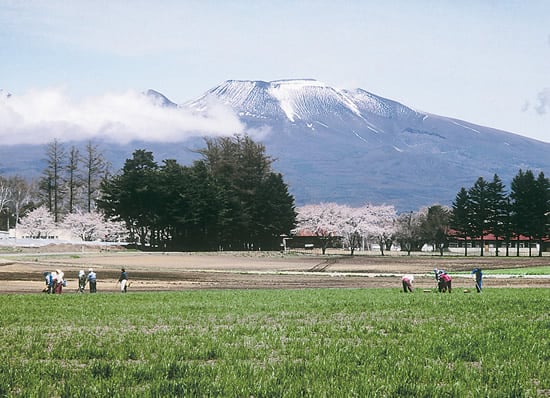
(68, 184)
(486, 208)
(229, 199)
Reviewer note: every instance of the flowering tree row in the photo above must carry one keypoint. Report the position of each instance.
(40, 223)
(357, 226)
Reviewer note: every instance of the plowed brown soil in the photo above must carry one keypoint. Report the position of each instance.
(21, 270)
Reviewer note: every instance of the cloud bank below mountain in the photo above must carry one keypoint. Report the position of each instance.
(40, 116)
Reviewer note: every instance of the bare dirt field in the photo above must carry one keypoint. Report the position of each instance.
(21, 270)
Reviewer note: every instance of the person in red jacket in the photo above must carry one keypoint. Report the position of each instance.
(445, 280)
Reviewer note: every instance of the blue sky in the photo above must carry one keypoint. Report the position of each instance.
(486, 62)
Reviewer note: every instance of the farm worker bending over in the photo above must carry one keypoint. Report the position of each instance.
(407, 281)
(440, 282)
(479, 278)
(49, 282)
(123, 279)
(81, 281)
(445, 280)
(92, 280)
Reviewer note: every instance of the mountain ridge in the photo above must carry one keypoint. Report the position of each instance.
(369, 148)
(346, 145)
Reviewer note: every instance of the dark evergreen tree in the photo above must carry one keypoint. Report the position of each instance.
(498, 221)
(132, 197)
(540, 208)
(275, 213)
(435, 227)
(480, 210)
(229, 200)
(241, 170)
(523, 195)
(206, 208)
(189, 212)
(460, 217)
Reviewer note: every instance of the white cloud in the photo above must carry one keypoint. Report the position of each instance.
(543, 104)
(38, 117)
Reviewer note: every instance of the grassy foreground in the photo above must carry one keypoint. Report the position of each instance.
(277, 343)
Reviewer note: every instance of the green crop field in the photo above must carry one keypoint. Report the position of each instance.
(277, 343)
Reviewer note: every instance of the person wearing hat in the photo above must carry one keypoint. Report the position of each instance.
(92, 280)
(123, 280)
(59, 281)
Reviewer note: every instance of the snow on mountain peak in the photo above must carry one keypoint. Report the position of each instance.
(294, 96)
(300, 100)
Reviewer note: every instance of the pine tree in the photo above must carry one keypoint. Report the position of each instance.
(133, 198)
(523, 195)
(460, 217)
(479, 206)
(498, 222)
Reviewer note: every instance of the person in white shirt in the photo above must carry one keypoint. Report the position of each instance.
(407, 281)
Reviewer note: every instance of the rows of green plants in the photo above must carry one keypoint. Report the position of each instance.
(542, 270)
(277, 343)
(538, 270)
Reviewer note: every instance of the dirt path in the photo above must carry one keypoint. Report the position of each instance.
(22, 272)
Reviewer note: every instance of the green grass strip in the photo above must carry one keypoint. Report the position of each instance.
(276, 343)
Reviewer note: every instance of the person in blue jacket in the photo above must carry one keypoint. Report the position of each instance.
(479, 278)
(92, 280)
(123, 280)
(49, 278)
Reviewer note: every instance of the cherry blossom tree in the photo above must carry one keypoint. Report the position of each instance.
(38, 224)
(322, 220)
(382, 224)
(355, 225)
(93, 226)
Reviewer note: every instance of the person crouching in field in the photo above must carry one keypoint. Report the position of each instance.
(407, 281)
(123, 280)
(440, 282)
(445, 283)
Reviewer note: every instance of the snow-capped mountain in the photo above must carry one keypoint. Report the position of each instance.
(303, 100)
(352, 146)
(347, 146)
